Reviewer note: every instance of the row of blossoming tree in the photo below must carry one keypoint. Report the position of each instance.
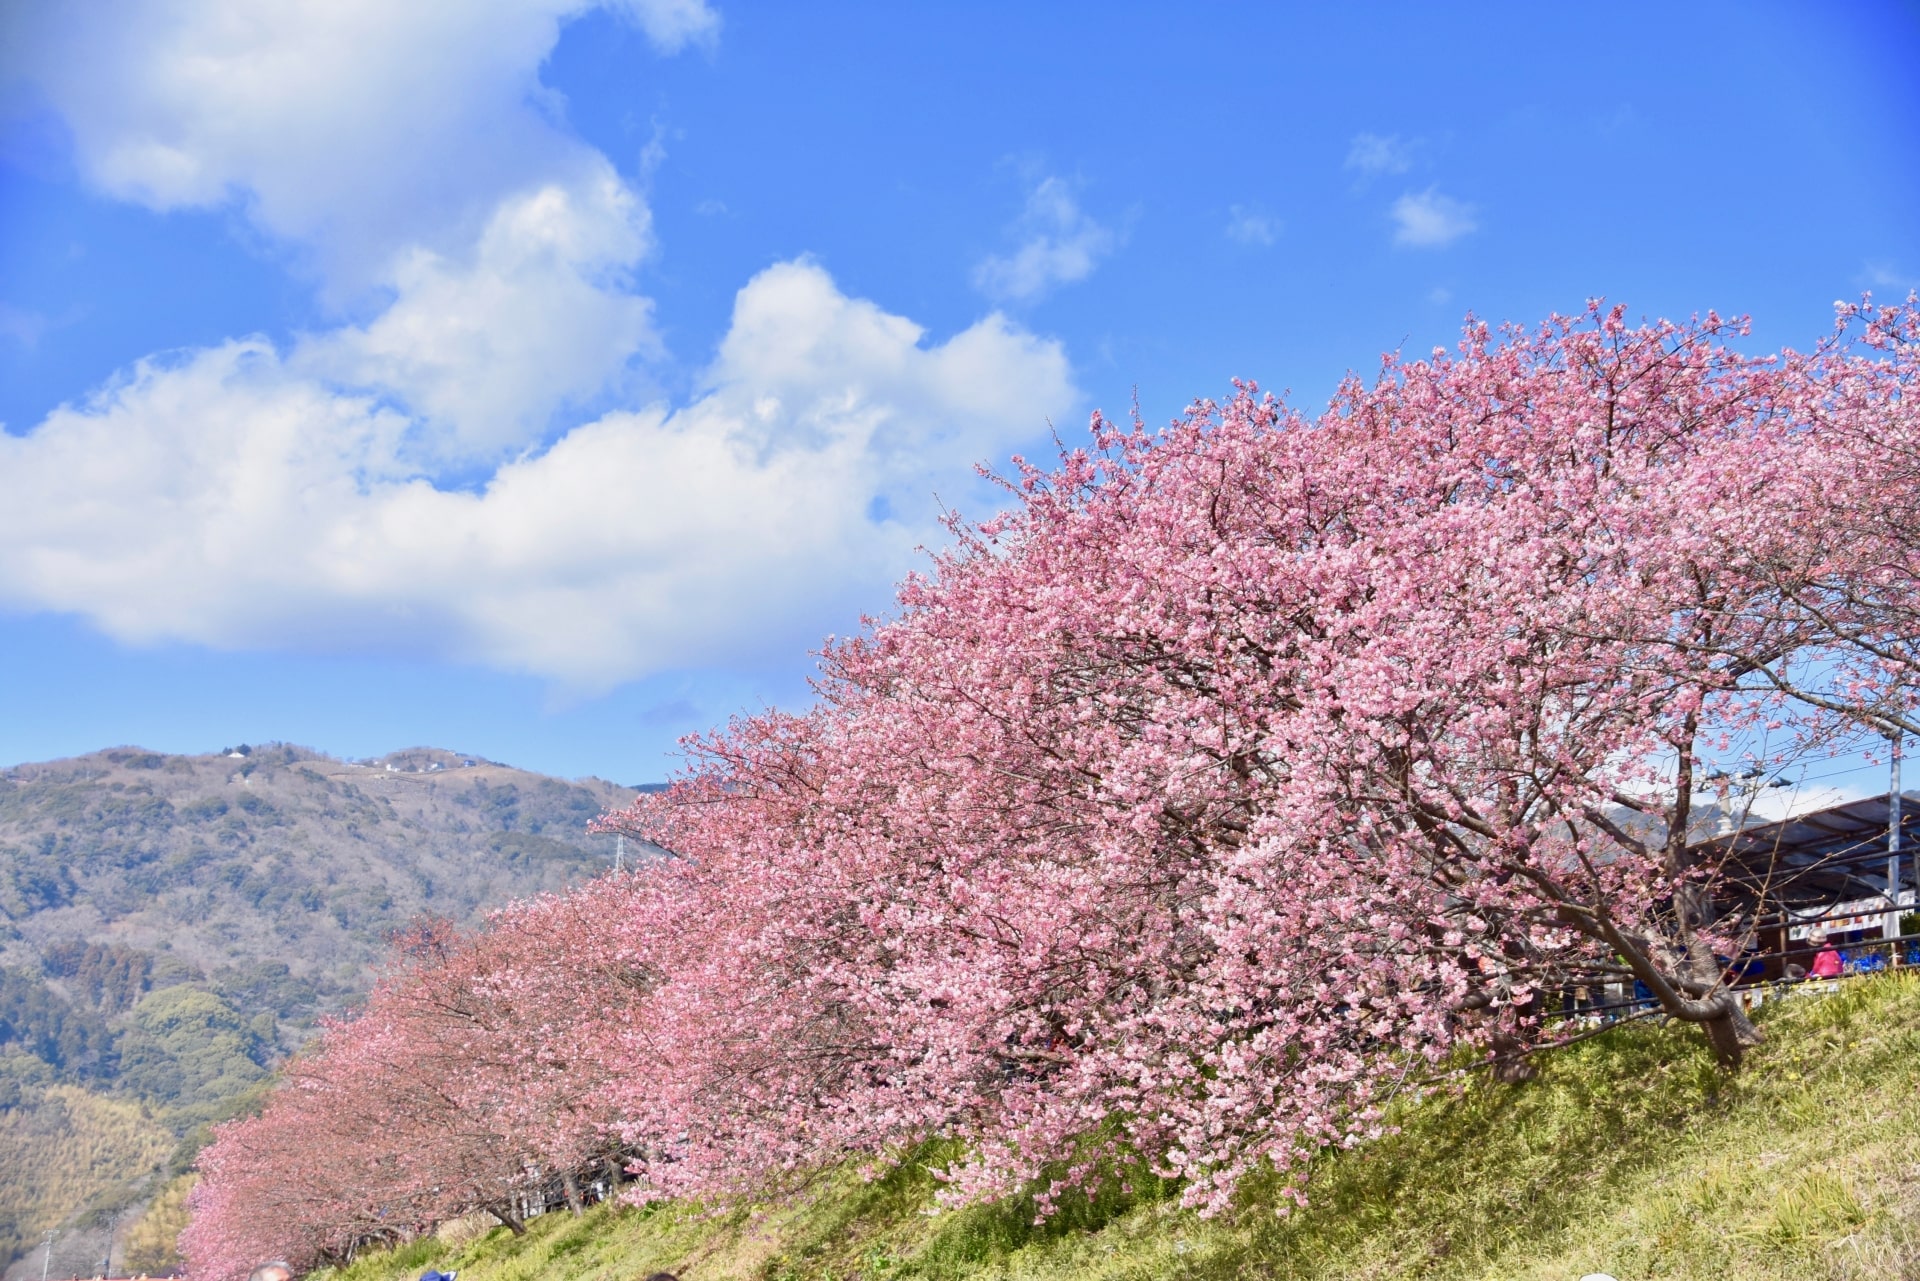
(1237, 776)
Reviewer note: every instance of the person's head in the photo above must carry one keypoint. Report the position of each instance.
(277, 1270)
(1818, 940)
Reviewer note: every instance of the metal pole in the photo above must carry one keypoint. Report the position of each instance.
(113, 1226)
(1893, 839)
(619, 851)
(47, 1260)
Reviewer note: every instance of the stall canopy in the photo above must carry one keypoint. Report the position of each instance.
(1828, 866)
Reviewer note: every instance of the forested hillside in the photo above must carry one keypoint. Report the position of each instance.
(171, 925)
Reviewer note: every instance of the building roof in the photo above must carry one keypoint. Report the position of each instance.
(1823, 857)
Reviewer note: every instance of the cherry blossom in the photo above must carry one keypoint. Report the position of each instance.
(1237, 777)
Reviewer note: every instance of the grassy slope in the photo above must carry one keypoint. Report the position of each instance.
(1629, 1154)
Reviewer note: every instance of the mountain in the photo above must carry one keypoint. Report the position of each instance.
(170, 926)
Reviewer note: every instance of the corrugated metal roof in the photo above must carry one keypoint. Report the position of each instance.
(1822, 857)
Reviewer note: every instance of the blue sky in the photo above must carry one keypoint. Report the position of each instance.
(543, 379)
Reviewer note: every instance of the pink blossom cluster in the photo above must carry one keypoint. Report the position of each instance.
(1234, 778)
(473, 1078)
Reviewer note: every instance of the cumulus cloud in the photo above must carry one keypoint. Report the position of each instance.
(230, 497)
(409, 154)
(351, 128)
(1372, 153)
(484, 347)
(1059, 244)
(1429, 220)
(1250, 226)
(441, 475)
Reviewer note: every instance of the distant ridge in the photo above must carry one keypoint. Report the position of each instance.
(172, 925)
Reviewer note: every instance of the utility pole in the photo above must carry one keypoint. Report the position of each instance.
(1892, 930)
(619, 851)
(113, 1227)
(46, 1260)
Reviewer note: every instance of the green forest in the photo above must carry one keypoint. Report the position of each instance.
(172, 926)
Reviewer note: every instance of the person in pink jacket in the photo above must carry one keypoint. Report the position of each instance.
(1826, 962)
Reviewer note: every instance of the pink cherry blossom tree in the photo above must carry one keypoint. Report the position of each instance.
(1237, 777)
(1247, 766)
(473, 1080)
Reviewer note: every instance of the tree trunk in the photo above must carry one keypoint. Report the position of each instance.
(1512, 1063)
(572, 1187)
(1511, 1066)
(1731, 1033)
(508, 1217)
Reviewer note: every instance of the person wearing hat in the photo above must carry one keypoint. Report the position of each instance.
(1826, 962)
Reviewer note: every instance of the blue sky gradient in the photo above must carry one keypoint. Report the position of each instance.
(759, 204)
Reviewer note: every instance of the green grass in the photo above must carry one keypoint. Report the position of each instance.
(1629, 1154)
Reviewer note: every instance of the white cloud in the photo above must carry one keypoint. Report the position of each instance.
(410, 153)
(1882, 274)
(1251, 226)
(227, 497)
(654, 154)
(21, 325)
(1428, 220)
(672, 25)
(1059, 245)
(419, 480)
(355, 129)
(1372, 153)
(484, 348)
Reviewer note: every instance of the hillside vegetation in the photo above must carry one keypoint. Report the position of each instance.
(277, 875)
(152, 1243)
(170, 926)
(64, 1149)
(1631, 1153)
